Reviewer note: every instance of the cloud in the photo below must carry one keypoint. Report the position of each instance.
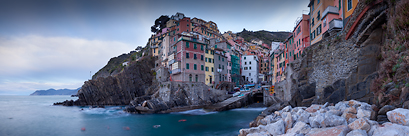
(38, 62)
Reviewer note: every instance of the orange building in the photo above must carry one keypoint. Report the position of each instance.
(317, 7)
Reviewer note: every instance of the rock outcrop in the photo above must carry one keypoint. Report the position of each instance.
(134, 81)
(331, 121)
(174, 96)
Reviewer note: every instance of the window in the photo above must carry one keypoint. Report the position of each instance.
(187, 65)
(190, 77)
(312, 7)
(245, 68)
(318, 15)
(349, 5)
(212, 69)
(207, 51)
(187, 44)
(318, 1)
(249, 74)
(202, 67)
(194, 67)
(324, 22)
(318, 30)
(178, 29)
(194, 46)
(222, 67)
(212, 60)
(244, 58)
(201, 57)
(201, 47)
(215, 46)
(250, 68)
(194, 56)
(196, 78)
(222, 59)
(312, 22)
(339, 5)
(187, 55)
(245, 63)
(250, 62)
(207, 68)
(205, 59)
(219, 57)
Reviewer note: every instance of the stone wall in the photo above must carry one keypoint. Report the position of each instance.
(336, 69)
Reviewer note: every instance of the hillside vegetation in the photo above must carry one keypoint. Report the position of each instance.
(265, 36)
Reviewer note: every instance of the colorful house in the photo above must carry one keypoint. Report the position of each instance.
(209, 66)
(317, 8)
(188, 64)
(348, 7)
(301, 36)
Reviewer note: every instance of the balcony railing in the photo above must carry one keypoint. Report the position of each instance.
(335, 24)
(176, 71)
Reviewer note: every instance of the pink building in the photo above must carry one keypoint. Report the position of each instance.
(188, 62)
(301, 36)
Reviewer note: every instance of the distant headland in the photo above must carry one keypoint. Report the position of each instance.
(56, 92)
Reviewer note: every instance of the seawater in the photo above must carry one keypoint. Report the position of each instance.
(36, 116)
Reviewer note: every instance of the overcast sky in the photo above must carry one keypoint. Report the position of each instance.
(57, 43)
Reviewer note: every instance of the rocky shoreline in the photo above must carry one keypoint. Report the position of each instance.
(346, 118)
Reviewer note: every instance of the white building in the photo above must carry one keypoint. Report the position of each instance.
(250, 68)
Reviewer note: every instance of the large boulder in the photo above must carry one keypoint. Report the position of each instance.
(300, 128)
(357, 132)
(391, 129)
(360, 124)
(399, 116)
(341, 130)
(276, 128)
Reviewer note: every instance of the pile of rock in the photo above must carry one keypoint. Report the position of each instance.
(350, 118)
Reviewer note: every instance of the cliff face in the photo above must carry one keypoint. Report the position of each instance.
(336, 69)
(133, 81)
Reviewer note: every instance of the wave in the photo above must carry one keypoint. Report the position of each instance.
(195, 112)
(115, 111)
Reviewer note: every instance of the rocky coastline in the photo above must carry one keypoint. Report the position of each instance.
(346, 118)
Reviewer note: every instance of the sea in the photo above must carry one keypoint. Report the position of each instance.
(36, 116)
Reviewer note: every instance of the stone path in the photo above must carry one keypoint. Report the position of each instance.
(222, 105)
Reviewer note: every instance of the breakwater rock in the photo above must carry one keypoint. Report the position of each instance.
(177, 96)
(135, 80)
(346, 118)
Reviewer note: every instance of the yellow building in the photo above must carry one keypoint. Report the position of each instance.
(317, 7)
(274, 67)
(209, 66)
(348, 8)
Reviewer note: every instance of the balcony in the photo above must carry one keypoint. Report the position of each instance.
(335, 24)
(175, 71)
(329, 9)
(171, 61)
(154, 46)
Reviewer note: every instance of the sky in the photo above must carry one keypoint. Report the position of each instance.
(60, 43)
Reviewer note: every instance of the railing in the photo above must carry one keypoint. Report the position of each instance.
(335, 23)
